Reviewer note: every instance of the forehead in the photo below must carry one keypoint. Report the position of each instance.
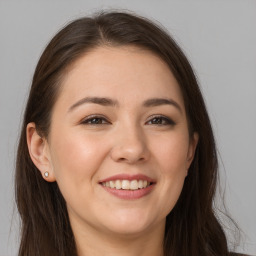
(126, 73)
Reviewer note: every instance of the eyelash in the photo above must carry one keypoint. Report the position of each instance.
(88, 120)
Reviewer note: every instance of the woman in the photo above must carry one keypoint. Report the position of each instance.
(116, 153)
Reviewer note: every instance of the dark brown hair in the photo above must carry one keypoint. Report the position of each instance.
(192, 228)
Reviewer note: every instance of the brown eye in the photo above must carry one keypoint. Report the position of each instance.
(95, 120)
(161, 120)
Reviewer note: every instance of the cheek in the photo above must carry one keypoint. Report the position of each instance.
(171, 160)
(172, 155)
(76, 157)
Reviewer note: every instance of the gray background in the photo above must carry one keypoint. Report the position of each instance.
(219, 37)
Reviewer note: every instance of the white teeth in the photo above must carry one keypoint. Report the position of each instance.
(118, 184)
(126, 184)
(112, 184)
(140, 184)
(134, 184)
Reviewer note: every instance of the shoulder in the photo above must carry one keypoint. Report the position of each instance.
(237, 254)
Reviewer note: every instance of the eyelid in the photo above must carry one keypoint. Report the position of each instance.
(169, 120)
(90, 117)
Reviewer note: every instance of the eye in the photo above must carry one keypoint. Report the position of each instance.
(161, 120)
(94, 120)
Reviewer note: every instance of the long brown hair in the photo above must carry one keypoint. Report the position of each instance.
(192, 228)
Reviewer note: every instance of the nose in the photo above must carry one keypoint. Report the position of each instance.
(129, 146)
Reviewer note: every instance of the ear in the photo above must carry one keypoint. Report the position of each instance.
(192, 149)
(39, 152)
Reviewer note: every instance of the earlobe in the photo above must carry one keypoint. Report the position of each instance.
(39, 152)
(192, 149)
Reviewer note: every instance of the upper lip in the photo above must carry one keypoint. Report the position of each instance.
(128, 177)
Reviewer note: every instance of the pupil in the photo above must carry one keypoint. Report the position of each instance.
(96, 120)
(157, 120)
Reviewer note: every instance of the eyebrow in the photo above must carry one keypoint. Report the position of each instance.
(114, 103)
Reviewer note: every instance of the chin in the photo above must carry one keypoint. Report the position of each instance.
(130, 223)
(127, 230)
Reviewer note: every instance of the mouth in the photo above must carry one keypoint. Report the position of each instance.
(128, 187)
(127, 184)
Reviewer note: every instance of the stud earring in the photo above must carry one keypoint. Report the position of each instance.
(46, 174)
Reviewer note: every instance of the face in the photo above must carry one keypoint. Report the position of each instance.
(119, 146)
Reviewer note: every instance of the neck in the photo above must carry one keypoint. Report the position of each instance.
(90, 241)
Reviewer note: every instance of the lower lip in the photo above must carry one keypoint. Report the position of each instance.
(129, 194)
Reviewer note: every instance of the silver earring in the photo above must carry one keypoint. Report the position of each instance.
(46, 174)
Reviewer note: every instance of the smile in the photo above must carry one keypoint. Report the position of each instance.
(126, 184)
(128, 187)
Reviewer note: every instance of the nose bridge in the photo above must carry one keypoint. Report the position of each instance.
(129, 143)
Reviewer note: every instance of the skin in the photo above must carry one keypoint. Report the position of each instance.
(128, 141)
